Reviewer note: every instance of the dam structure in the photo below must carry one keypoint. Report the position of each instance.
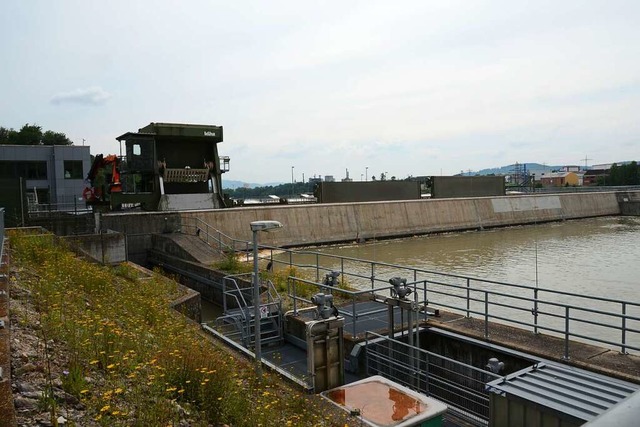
(442, 340)
(309, 225)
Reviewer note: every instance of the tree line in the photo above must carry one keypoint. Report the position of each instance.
(628, 174)
(32, 135)
(282, 190)
(289, 189)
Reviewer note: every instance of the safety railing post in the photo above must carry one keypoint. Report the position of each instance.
(624, 327)
(295, 298)
(354, 314)
(366, 358)
(535, 311)
(373, 275)
(566, 333)
(468, 297)
(486, 314)
(271, 257)
(424, 290)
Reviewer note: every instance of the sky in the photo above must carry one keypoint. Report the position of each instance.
(318, 88)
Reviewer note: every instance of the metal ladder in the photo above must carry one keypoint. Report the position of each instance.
(238, 319)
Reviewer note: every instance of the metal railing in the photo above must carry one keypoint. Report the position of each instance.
(213, 237)
(43, 209)
(459, 385)
(589, 318)
(240, 314)
(569, 315)
(348, 299)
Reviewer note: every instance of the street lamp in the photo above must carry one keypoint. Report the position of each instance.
(255, 227)
(292, 181)
(366, 173)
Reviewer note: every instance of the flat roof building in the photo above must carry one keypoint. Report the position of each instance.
(53, 173)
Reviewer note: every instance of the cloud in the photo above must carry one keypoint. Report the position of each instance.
(94, 95)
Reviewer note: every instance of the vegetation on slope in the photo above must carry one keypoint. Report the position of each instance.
(131, 360)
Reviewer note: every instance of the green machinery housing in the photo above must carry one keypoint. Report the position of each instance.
(166, 167)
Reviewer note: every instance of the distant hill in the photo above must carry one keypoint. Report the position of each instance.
(232, 185)
(506, 170)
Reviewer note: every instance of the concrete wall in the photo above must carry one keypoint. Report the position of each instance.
(370, 191)
(314, 224)
(327, 223)
(189, 305)
(630, 208)
(466, 186)
(629, 203)
(105, 248)
(211, 291)
(139, 226)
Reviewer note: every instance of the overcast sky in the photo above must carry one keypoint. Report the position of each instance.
(404, 87)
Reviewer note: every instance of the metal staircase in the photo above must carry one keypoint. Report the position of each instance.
(238, 319)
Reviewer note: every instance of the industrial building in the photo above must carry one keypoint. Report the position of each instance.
(50, 174)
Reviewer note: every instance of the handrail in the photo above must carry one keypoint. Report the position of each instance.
(239, 325)
(215, 238)
(349, 294)
(230, 292)
(422, 287)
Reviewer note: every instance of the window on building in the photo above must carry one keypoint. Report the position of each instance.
(73, 169)
(26, 170)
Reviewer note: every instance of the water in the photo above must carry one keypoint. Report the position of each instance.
(597, 256)
(590, 257)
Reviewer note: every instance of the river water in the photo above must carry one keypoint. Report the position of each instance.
(596, 256)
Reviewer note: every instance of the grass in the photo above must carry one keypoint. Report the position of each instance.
(232, 264)
(147, 364)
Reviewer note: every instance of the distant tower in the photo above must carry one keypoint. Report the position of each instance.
(520, 175)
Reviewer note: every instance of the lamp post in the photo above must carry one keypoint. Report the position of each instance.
(292, 181)
(366, 173)
(257, 226)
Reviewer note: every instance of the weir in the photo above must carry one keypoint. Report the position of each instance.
(308, 225)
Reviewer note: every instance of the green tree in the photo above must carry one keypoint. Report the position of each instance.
(32, 135)
(4, 135)
(55, 138)
(634, 174)
(8, 136)
(29, 135)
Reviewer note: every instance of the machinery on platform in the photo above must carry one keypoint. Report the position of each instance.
(166, 167)
(104, 177)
